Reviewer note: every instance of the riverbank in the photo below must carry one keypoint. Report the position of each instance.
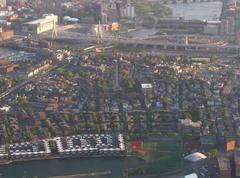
(71, 166)
(8, 162)
(84, 175)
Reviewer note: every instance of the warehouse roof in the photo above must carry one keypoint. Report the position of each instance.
(38, 21)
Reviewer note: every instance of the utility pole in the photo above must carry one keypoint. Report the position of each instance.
(99, 33)
(117, 86)
(54, 32)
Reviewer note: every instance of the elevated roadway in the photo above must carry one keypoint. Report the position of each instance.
(152, 44)
(178, 1)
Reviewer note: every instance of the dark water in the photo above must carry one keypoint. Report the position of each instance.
(70, 166)
(197, 11)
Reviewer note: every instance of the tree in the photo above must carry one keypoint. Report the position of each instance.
(166, 101)
(66, 117)
(53, 146)
(214, 152)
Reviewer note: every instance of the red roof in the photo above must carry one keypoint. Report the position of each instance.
(136, 145)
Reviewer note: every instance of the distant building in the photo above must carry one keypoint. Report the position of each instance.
(7, 35)
(227, 26)
(211, 29)
(208, 141)
(104, 18)
(5, 108)
(146, 86)
(113, 10)
(3, 3)
(193, 175)
(8, 69)
(236, 158)
(128, 11)
(40, 25)
(200, 59)
(53, 6)
(230, 143)
(224, 167)
(187, 125)
(194, 157)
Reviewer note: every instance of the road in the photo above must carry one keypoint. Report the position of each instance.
(75, 38)
(16, 87)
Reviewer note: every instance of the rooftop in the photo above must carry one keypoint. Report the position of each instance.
(194, 175)
(237, 156)
(223, 163)
(38, 21)
(194, 157)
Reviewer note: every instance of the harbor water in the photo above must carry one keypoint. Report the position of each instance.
(209, 11)
(70, 166)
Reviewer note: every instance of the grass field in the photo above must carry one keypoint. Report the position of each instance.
(165, 164)
(160, 157)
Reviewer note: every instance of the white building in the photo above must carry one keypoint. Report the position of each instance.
(104, 18)
(128, 11)
(5, 108)
(3, 3)
(47, 23)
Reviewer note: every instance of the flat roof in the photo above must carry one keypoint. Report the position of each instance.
(194, 175)
(237, 156)
(194, 157)
(223, 163)
(38, 21)
(146, 85)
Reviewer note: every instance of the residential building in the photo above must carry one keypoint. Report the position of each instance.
(236, 158)
(3, 3)
(224, 167)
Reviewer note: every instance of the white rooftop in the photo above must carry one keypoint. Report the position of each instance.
(194, 157)
(38, 21)
(146, 85)
(45, 19)
(191, 176)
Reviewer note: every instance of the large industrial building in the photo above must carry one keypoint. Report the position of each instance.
(40, 25)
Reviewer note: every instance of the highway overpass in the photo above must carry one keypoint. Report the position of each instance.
(155, 44)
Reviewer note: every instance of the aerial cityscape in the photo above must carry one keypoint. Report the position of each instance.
(119, 89)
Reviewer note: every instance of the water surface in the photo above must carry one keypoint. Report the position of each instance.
(70, 166)
(197, 11)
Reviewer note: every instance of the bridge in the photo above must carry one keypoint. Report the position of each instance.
(157, 45)
(179, 1)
